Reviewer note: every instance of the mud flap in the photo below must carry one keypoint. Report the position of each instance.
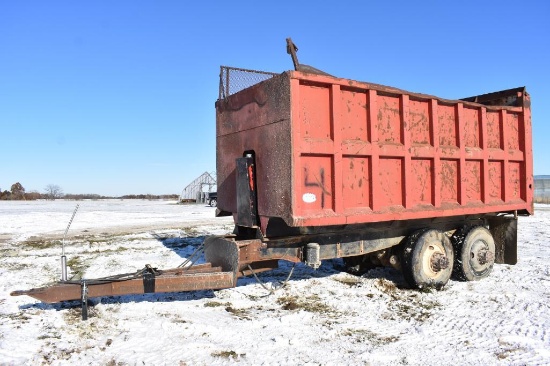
(504, 230)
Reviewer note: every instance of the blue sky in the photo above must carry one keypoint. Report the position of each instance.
(117, 97)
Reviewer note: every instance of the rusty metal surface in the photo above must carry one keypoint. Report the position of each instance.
(204, 277)
(263, 111)
(222, 252)
(333, 151)
(230, 258)
(257, 267)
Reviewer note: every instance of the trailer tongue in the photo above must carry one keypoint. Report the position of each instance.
(148, 280)
(220, 272)
(227, 259)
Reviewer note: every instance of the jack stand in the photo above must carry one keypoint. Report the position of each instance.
(84, 299)
(63, 257)
(63, 268)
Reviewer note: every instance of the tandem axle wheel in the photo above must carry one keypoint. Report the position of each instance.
(474, 253)
(427, 259)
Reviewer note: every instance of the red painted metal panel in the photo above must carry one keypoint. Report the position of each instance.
(356, 181)
(333, 151)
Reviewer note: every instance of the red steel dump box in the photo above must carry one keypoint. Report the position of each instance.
(331, 151)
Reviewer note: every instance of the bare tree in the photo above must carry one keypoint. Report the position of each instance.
(53, 191)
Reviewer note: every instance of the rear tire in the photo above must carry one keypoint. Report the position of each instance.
(475, 253)
(427, 259)
(213, 202)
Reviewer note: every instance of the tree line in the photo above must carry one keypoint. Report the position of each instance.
(52, 191)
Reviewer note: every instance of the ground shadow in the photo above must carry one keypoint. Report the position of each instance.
(185, 246)
(125, 299)
(271, 280)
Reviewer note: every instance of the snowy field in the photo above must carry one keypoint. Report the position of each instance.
(323, 317)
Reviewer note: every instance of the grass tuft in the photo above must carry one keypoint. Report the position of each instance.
(349, 281)
(312, 304)
(227, 354)
(215, 304)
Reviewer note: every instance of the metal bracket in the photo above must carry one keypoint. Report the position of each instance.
(148, 279)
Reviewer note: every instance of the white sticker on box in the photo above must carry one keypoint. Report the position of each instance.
(309, 198)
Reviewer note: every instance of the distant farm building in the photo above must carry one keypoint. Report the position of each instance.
(542, 188)
(197, 190)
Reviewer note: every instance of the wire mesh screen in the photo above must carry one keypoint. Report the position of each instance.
(233, 80)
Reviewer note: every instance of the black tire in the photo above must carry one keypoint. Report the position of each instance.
(213, 202)
(358, 265)
(474, 253)
(427, 259)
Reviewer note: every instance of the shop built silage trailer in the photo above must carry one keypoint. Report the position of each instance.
(315, 167)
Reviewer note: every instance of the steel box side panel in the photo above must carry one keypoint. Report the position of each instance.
(256, 119)
(368, 153)
(528, 143)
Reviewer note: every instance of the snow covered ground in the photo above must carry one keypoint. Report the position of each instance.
(322, 317)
